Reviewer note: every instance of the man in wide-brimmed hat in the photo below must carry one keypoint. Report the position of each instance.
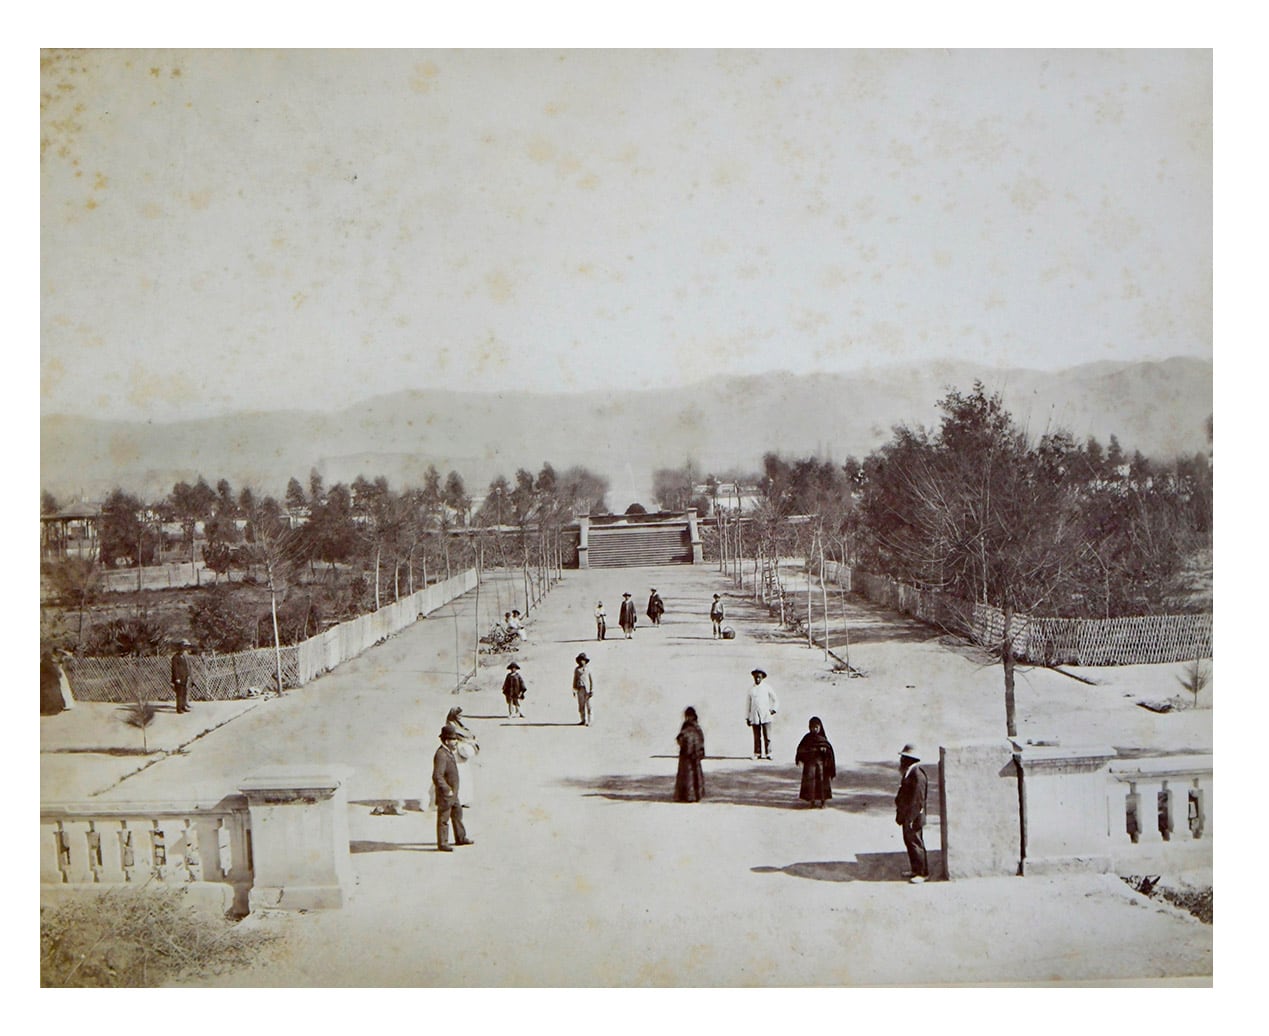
(445, 780)
(584, 688)
(909, 812)
(656, 607)
(180, 675)
(513, 689)
(759, 709)
(627, 616)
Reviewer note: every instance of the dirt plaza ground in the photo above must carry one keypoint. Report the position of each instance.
(585, 873)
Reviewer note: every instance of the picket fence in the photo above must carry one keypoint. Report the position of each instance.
(244, 673)
(1131, 640)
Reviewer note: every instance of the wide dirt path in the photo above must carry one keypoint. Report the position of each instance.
(585, 873)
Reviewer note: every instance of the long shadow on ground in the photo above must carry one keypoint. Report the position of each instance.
(865, 867)
(868, 788)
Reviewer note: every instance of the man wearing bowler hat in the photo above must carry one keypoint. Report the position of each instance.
(180, 676)
(445, 780)
(584, 688)
(909, 812)
(759, 709)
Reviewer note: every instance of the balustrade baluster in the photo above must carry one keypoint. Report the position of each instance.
(1164, 800)
(158, 851)
(1132, 812)
(1197, 809)
(193, 862)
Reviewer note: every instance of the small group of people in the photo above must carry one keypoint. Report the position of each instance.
(515, 625)
(628, 617)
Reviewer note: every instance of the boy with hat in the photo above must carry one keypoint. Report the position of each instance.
(716, 614)
(584, 688)
(445, 780)
(513, 689)
(909, 811)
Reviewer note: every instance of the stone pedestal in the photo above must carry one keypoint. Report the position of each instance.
(980, 832)
(694, 534)
(1063, 805)
(299, 837)
(583, 541)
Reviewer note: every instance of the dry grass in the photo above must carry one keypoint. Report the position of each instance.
(137, 937)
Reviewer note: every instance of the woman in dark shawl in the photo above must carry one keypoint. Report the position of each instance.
(689, 785)
(819, 767)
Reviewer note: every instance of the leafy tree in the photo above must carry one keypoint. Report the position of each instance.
(456, 495)
(673, 488)
(122, 532)
(218, 623)
(295, 499)
(48, 503)
(636, 509)
(140, 713)
(978, 510)
(190, 505)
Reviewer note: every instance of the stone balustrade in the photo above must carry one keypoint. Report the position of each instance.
(1078, 808)
(135, 843)
(281, 842)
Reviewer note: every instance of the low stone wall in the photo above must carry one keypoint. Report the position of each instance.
(280, 842)
(1082, 808)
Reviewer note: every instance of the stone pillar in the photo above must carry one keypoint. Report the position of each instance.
(299, 837)
(583, 541)
(980, 833)
(694, 534)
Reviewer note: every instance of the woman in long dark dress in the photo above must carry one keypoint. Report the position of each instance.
(819, 766)
(689, 785)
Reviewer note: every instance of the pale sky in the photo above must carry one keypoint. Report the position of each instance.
(236, 230)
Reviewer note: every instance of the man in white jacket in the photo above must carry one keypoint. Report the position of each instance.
(760, 708)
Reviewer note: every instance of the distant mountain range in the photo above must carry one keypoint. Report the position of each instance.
(1160, 408)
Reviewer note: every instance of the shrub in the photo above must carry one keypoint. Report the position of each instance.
(135, 637)
(137, 937)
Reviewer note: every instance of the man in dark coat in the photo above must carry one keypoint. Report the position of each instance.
(180, 676)
(628, 616)
(445, 780)
(909, 812)
(656, 608)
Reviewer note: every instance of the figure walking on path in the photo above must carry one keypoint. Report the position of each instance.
(716, 614)
(465, 752)
(819, 765)
(689, 784)
(601, 621)
(445, 781)
(180, 676)
(909, 812)
(584, 688)
(656, 608)
(514, 689)
(759, 709)
(628, 618)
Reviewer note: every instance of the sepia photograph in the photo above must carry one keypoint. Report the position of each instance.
(523, 518)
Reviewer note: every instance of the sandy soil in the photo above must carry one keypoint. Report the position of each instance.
(585, 873)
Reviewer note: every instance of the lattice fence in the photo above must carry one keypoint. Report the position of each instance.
(212, 677)
(224, 677)
(1131, 640)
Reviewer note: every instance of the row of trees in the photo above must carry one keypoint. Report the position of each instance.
(980, 509)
